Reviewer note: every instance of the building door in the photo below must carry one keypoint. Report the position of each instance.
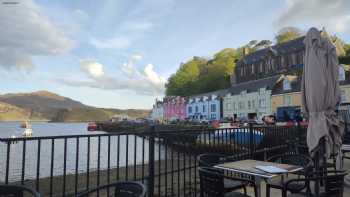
(252, 116)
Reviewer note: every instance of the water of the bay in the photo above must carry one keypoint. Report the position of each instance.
(123, 156)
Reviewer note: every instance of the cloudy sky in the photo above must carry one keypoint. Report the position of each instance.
(119, 53)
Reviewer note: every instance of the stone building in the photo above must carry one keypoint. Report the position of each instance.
(278, 59)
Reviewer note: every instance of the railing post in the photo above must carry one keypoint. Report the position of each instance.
(251, 140)
(151, 145)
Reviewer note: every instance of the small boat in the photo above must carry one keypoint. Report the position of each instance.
(14, 137)
(23, 125)
(92, 126)
(28, 132)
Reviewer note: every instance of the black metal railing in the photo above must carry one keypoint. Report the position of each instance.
(164, 160)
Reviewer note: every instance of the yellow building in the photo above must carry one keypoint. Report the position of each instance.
(345, 93)
(286, 99)
(287, 90)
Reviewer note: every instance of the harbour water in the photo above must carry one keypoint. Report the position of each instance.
(122, 155)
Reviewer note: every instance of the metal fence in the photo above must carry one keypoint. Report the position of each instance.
(164, 160)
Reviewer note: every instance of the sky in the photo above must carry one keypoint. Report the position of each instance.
(120, 53)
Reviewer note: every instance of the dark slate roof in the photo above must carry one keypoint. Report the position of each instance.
(278, 49)
(253, 86)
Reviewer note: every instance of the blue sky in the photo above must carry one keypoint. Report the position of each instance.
(119, 53)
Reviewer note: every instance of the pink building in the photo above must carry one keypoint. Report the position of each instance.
(174, 108)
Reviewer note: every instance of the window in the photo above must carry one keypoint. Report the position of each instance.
(190, 110)
(287, 99)
(203, 108)
(248, 104)
(212, 116)
(286, 85)
(213, 108)
(228, 106)
(241, 105)
(262, 103)
(253, 104)
(343, 96)
(196, 109)
(341, 73)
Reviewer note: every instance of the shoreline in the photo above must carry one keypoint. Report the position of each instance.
(122, 173)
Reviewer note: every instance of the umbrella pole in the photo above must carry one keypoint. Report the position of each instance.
(320, 168)
(317, 169)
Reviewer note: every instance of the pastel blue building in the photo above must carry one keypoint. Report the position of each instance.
(205, 107)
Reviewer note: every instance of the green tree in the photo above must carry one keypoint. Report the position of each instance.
(197, 75)
(288, 33)
(182, 82)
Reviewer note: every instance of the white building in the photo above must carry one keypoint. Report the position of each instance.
(249, 100)
(157, 112)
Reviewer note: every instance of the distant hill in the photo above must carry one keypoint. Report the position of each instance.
(45, 105)
(10, 113)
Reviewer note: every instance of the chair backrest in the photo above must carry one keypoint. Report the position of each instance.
(209, 160)
(120, 189)
(17, 191)
(292, 159)
(334, 184)
(211, 183)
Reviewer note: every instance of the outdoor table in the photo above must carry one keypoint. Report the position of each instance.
(248, 167)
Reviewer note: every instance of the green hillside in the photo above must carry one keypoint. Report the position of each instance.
(48, 106)
(12, 113)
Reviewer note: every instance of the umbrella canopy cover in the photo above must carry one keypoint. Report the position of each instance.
(321, 93)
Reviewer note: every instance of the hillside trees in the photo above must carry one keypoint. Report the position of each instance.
(288, 33)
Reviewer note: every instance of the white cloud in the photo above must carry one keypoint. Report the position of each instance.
(92, 68)
(334, 15)
(147, 81)
(118, 42)
(26, 33)
(153, 77)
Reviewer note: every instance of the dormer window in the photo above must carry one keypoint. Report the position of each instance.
(286, 85)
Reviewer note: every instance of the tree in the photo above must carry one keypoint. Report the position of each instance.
(197, 75)
(184, 79)
(288, 33)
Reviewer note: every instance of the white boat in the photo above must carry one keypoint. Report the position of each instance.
(28, 132)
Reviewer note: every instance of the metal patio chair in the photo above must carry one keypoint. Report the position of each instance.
(333, 185)
(292, 159)
(118, 189)
(210, 160)
(17, 191)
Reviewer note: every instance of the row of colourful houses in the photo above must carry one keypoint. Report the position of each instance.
(250, 100)
(264, 81)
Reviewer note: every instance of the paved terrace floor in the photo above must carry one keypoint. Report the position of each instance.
(277, 193)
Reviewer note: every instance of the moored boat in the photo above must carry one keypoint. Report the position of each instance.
(28, 131)
(92, 126)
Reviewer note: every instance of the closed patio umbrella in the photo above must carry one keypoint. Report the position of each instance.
(321, 95)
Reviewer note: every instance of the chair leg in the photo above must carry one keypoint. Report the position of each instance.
(267, 191)
(284, 193)
(245, 190)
